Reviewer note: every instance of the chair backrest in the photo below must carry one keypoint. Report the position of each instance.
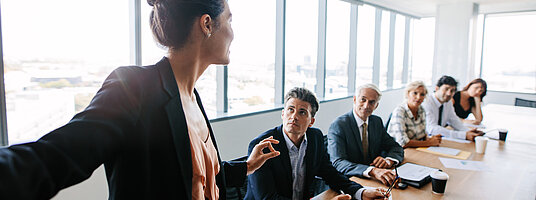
(525, 103)
(388, 120)
(238, 193)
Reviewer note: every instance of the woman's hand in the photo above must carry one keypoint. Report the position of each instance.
(434, 140)
(258, 157)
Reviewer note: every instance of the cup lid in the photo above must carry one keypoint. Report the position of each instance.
(439, 175)
(481, 138)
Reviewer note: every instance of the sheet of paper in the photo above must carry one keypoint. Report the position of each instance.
(464, 164)
(414, 172)
(480, 126)
(491, 133)
(455, 140)
(445, 150)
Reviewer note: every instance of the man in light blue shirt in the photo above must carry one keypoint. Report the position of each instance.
(303, 156)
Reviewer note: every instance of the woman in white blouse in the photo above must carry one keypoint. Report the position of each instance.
(408, 123)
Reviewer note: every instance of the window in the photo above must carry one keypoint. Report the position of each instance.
(508, 52)
(400, 37)
(56, 59)
(384, 48)
(152, 52)
(337, 48)
(301, 36)
(422, 56)
(365, 44)
(251, 71)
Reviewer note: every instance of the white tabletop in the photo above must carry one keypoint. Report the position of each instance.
(519, 121)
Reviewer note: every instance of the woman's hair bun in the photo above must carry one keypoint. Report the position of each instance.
(152, 2)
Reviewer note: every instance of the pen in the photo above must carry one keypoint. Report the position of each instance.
(393, 184)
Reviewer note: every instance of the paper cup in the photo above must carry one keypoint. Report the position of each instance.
(480, 144)
(439, 182)
(502, 134)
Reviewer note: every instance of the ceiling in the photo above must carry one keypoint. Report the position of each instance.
(427, 8)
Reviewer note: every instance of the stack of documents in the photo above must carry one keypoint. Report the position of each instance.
(415, 175)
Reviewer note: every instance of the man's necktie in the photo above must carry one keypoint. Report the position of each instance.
(365, 142)
(440, 115)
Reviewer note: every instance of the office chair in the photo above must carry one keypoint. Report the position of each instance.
(388, 120)
(238, 193)
(525, 103)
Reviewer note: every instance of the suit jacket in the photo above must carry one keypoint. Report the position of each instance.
(135, 125)
(346, 150)
(274, 179)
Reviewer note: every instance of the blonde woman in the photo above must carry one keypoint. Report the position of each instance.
(408, 121)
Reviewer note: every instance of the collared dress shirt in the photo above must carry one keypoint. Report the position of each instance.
(403, 126)
(431, 107)
(360, 123)
(297, 162)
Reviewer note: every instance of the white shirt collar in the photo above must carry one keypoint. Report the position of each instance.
(435, 100)
(359, 120)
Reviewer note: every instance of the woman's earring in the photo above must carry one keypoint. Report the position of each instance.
(208, 35)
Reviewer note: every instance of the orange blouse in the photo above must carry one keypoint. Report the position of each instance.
(205, 166)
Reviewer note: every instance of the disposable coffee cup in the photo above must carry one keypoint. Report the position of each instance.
(480, 144)
(439, 182)
(502, 134)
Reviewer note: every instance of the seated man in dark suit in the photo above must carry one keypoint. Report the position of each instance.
(303, 156)
(357, 139)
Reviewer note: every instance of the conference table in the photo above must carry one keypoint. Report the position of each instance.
(511, 164)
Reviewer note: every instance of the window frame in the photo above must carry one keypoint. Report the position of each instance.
(135, 43)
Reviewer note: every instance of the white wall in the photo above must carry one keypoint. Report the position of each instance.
(455, 34)
(506, 98)
(233, 136)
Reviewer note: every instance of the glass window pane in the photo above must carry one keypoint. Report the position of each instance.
(400, 33)
(422, 50)
(365, 44)
(301, 44)
(251, 71)
(151, 51)
(57, 53)
(508, 62)
(337, 48)
(384, 48)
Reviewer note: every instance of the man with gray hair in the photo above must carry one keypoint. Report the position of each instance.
(303, 156)
(358, 143)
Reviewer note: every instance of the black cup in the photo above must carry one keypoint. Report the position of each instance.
(439, 182)
(502, 134)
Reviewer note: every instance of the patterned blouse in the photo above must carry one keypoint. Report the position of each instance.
(403, 127)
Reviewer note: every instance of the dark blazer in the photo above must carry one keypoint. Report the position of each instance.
(274, 179)
(135, 125)
(346, 150)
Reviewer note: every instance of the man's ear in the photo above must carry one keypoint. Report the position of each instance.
(206, 24)
(312, 122)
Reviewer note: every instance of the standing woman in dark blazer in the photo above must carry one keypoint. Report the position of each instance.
(146, 124)
(469, 100)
